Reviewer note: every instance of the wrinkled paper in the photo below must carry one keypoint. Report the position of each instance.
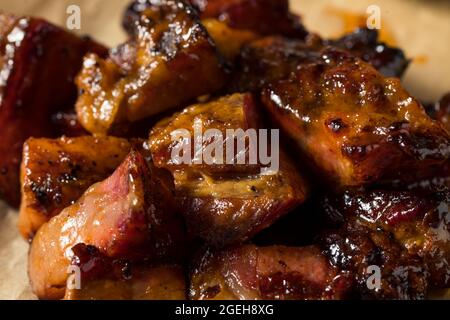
(422, 28)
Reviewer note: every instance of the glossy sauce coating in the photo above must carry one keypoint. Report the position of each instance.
(171, 60)
(354, 125)
(103, 278)
(56, 172)
(225, 203)
(38, 64)
(269, 273)
(128, 216)
(418, 221)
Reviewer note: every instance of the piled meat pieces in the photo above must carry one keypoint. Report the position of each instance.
(355, 187)
(226, 204)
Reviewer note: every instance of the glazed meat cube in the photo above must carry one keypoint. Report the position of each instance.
(56, 172)
(360, 252)
(355, 126)
(102, 278)
(173, 60)
(38, 63)
(225, 203)
(260, 16)
(128, 216)
(275, 273)
(418, 221)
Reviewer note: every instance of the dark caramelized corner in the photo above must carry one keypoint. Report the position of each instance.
(170, 61)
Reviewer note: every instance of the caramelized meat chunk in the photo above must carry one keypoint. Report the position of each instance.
(276, 273)
(418, 221)
(355, 126)
(56, 172)
(128, 216)
(171, 60)
(38, 64)
(261, 16)
(370, 255)
(102, 278)
(223, 201)
(363, 42)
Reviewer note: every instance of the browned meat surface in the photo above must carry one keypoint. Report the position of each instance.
(171, 60)
(260, 16)
(275, 273)
(56, 172)
(129, 216)
(418, 223)
(38, 63)
(102, 278)
(226, 203)
(270, 59)
(355, 249)
(363, 42)
(355, 126)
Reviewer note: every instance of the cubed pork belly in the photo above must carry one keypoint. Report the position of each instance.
(129, 216)
(418, 222)
(355, 126)
(225, 201)
(171, 60)
(56, 172)
(38, 64)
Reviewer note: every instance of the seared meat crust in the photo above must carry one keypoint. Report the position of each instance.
(38, 64)
(129, 216)
(56, 172)
(226, 203)
(171, 61)
(355, 126)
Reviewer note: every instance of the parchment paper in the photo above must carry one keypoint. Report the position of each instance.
(422, 28)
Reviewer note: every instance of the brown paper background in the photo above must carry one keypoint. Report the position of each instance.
(421, 27)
